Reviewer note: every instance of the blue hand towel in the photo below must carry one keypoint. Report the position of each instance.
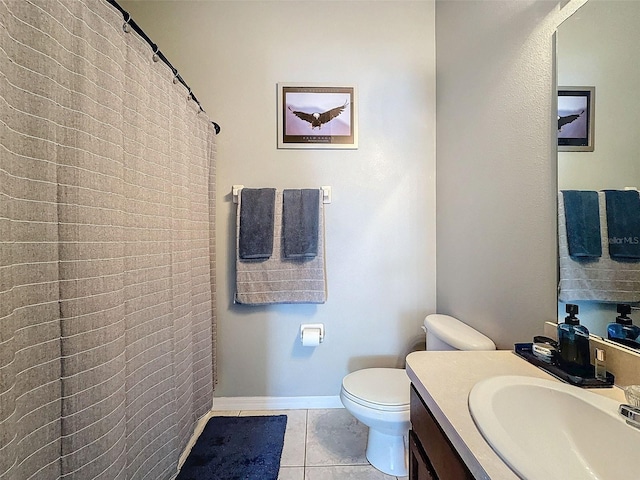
(582, 218)
(300, 211)
(623, 223)
(256, 223)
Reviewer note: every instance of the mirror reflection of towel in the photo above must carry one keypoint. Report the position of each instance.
(582, 219)
(623, 223)
(601, 279)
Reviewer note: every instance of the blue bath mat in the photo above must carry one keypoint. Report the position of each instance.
(237, 448)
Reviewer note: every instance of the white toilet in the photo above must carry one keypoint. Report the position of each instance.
(379, 397)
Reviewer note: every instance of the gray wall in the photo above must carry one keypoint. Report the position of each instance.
(496, 169)
(380, 228)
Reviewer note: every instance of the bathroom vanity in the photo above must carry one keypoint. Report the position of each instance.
(431, 455)
(444, 442)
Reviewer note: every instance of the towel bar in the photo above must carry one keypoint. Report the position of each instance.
(326, 193)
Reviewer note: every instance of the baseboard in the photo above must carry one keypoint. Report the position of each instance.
(275, 403)
(196, 433)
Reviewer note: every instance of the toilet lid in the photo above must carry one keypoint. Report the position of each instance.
(380, 386)
(456, 333)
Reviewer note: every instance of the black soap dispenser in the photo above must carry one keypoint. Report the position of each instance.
(623, 330)
(573, 343)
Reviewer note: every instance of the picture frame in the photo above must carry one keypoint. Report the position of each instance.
(317, 116)
(576, 119)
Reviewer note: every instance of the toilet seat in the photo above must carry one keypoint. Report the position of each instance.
(384, 389)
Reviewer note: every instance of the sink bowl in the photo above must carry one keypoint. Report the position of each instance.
(545, 429)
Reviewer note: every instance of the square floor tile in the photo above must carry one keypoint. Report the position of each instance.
(291, 473)
(346, 472)
(335, 437)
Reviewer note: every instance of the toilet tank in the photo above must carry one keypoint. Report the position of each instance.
(449, 333)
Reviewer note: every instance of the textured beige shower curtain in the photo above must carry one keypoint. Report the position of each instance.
(106, 248)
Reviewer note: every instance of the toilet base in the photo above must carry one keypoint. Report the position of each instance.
(388, 453)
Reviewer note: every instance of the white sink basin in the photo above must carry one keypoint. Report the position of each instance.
(547, 430)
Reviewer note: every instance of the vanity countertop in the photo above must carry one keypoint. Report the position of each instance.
(444, 380)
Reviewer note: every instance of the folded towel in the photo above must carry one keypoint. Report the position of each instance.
(623, 223)
(300, 211)
(282, 280)
(256, 223)
(582, 219)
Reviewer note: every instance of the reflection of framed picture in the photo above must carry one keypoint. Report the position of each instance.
(317, 116)
(576, 118)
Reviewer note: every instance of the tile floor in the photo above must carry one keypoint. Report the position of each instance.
(322, 445)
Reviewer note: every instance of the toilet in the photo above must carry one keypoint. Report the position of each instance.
(379, 397)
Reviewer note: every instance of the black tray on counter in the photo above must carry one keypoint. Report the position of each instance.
(524, 350)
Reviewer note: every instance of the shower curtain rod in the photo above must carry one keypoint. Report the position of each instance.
(156, 51)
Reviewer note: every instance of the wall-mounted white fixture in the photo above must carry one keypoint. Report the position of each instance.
(311, 334)
(235, 192)
(326, 193)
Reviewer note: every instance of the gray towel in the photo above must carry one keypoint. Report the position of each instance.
(256, 223)
(300, 216)
(282, 280)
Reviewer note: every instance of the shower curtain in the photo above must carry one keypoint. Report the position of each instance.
(106, 249)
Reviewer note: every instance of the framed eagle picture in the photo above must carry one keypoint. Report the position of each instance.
(576, 119)
(317, 116)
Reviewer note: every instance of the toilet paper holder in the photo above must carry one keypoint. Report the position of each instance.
(312, 326)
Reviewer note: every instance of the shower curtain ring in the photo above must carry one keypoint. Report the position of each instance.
(155, 53)
(175, 77)
(126, 27)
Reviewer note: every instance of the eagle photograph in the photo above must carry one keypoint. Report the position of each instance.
(310, 113)
(572, 117)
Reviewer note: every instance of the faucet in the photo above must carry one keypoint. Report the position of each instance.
(631, 414)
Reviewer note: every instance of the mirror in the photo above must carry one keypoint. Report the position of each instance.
(596, 47)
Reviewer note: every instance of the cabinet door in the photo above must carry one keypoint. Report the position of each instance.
(442, 459)
(419, 467)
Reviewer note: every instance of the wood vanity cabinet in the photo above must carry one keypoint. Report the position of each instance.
(431, 455)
